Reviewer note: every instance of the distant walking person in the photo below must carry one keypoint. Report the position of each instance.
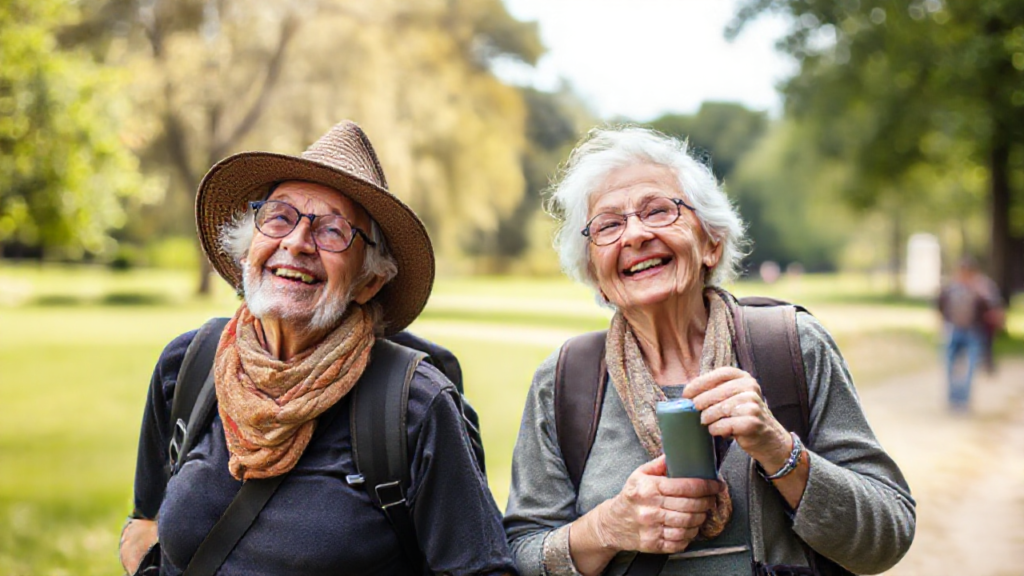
(971, 308)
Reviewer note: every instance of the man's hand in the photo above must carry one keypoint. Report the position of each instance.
(137, 537)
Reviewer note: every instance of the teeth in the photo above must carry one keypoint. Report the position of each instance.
(294, 275)
(645, 265)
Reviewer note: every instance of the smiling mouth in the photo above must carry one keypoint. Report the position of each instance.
(295, 275)
(645, 265)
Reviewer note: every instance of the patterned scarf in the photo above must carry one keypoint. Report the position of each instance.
(269, 407)
(640, 393)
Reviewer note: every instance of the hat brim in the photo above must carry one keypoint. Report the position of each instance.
(229, 186)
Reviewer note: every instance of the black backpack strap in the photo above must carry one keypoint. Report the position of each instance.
(378, 428)
(247, 504)
(441, 357)
(193, 375)
(232, 525)
(768, 347)
(580, 382)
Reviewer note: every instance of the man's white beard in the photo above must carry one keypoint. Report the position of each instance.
(264, 301)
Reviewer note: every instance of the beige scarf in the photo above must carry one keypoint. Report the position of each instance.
(640, 393)
(269, 407)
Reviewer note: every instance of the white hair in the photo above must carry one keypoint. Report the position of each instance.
(236, 235)
(607, 149)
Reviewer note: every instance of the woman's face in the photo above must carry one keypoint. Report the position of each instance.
(648, 266)
(289, 278)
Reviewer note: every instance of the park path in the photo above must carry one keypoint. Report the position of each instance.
(965, 471)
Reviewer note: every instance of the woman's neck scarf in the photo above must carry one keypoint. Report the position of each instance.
(269, 407)
(640, 393)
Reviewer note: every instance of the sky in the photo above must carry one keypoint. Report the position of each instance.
(642, 58)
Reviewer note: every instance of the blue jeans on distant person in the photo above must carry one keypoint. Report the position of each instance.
(962, 341)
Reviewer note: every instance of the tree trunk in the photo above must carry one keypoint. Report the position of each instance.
(896, 254)
(1000, 253)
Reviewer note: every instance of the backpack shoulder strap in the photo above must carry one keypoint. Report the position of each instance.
(442, 358)
(193, 398)
(768, 347)
(377, 421)
(580, 381)
(232, 525)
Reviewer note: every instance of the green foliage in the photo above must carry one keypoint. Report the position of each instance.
(63, 166)
(788, 193)
(553, 124)
(725, 131)
(900, 89)
(173, 252)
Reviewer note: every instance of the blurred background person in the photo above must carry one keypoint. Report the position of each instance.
(972, 313)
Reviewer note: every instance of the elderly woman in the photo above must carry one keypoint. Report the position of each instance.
(649, 229)
(327, 261)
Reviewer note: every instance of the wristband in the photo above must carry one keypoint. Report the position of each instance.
(791, 463)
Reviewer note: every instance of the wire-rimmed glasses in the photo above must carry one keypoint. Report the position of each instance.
(330, 232)
(656, 212)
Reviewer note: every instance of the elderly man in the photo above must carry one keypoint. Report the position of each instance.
(327, 261)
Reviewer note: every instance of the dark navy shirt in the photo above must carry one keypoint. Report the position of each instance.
(316, 523)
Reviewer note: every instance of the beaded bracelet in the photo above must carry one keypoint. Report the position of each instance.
(791, 462)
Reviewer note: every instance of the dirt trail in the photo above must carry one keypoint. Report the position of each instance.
(965, 471)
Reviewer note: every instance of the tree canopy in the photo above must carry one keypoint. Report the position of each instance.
(63, 166)
(897, 89)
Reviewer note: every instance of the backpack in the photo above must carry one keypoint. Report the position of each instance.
(377, 420)
(767, 346)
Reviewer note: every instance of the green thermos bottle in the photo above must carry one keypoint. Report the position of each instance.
(689, 448)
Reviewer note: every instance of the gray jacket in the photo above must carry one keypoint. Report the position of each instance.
(856, 509)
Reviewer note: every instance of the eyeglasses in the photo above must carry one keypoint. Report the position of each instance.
(658, 212)
(331, 232)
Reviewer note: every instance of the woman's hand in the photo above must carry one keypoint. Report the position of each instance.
(652, 513)
(732, 405)
(137, 537)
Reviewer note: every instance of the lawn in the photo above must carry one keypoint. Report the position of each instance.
(77, 346)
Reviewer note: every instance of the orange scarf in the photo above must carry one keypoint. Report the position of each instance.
(269, 407)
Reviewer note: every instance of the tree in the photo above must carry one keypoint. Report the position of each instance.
(554, 121)
(787, 192)
(724, 131)
(63, 166)
(895, 85)
(217, 75)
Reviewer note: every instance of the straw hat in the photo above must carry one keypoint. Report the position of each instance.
(342, 159)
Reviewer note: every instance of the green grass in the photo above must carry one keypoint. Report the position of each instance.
(77, 346)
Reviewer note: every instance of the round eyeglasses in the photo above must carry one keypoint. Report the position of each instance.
(331, 232)
(657, 212)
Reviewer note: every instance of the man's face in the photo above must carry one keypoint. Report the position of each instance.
(289, 278)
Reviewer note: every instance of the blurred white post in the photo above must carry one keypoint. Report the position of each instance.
(924, 266)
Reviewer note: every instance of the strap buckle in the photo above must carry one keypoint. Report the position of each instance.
(178, 439)
(389, 494)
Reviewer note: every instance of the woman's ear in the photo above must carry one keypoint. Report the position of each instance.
(712, 253)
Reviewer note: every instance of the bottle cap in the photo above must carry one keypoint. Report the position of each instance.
(680, 405)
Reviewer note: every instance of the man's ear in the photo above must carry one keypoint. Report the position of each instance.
(369, 289)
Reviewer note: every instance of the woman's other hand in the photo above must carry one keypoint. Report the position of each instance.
(732, 406)
(137, 537)
(652, 513)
